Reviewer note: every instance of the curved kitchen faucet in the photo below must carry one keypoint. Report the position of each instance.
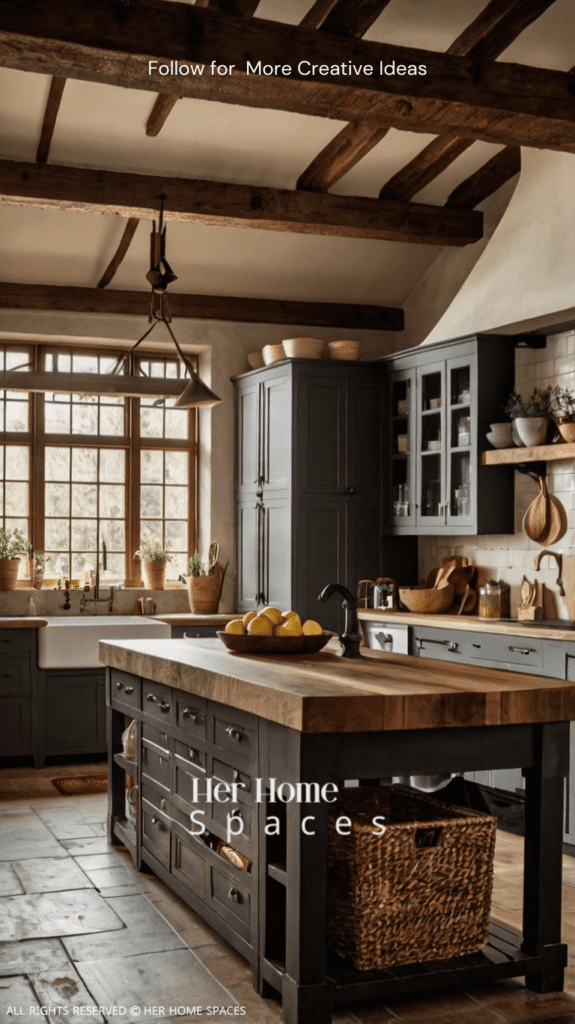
(351, 637)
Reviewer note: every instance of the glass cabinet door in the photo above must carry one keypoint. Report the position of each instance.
(431, 500)
(400, 497)
(460, 443)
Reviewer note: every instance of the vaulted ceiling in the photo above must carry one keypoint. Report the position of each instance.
(349, 178)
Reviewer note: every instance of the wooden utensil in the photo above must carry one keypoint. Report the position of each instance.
(536, 519)
(556, 521)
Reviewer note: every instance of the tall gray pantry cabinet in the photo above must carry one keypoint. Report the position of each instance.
(308, 483)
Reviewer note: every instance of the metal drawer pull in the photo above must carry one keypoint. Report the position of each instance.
(235, 895)
(159, 824)
(8, 675)
(237, 777)
(234, 733)
(119, 686)
(193, 754)
(163, 804)
(129, 689)
(450, 644)
(164, 706)
(152, 697)
(236, 814)
(478, 646)
(523, 650)
(193, 714)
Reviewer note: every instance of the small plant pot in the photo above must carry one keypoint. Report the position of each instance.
(38, 578)
(154, 574)
(532, 430)
(9, 573)
(566, 427)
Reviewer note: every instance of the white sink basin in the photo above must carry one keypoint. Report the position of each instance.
(74, 642)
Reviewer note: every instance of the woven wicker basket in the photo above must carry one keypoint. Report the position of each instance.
(421, 891)
(205, 591)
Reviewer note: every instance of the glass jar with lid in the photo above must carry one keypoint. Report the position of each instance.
(494, 600)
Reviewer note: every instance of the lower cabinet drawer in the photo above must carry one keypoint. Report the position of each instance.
(191, 714)
(156, 767)
(156, 832)
(227, 773)
(157, 701)
(154, 737)
(238, 819)
(518, 651)
(14, 677)
(124, 688)
(188, 863)
(442, 644)
(231, 900)
(235, 731)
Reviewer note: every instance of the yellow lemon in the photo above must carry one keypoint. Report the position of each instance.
(235, 626)
(288, 626)
(311, 628)
(261, 626)
(292, 616)
(271, 613)
(248, 618)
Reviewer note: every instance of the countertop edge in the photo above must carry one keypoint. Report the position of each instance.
(472, 623)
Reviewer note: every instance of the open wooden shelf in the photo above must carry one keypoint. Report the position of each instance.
(545, 452)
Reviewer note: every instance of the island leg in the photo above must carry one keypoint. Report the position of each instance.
(544, 784)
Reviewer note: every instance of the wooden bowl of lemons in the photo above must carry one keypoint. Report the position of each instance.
(272, 631)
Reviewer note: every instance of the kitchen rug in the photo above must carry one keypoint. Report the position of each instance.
(78, 785)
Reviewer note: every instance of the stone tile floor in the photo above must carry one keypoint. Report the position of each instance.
(79, 927)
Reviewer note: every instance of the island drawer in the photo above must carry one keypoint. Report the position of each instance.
(191, 759)
(234, 812)
(155, 738)
(188, 864)
(15, 641)
(156, 767)
(14, 678)
(190, 784)
(157, 701)
(224, 772)
(125, 689)
(191, 713)
(231, 900)
(155, 830)
(235, 731)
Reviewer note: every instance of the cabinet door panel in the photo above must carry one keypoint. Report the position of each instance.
(363, 546)
(320, 559)
(320, 411)
(399, 492)
(276, 436)
(75, 712)
(277, 541)
(363, 455)
(248, 425)
(15, 733)
(249, 554)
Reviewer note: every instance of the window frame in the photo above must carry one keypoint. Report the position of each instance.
(132, 442)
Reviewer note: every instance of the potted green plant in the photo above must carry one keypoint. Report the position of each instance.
(38, 570)
(12, 545)
(154, 563)
(563, 408)
(530, 416)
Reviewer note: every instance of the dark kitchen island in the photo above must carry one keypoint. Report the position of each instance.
(239, 720)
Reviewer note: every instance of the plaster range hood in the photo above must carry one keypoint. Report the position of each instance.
(75, 642)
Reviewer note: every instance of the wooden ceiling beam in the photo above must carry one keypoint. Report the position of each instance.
(503, 103)
(347, 18)
(50, 114)
(487, 179)
(111, 269)
(213, 202)
(203, 307)
(425, 167)
(237, 8)
(486, 37)
(163, 106)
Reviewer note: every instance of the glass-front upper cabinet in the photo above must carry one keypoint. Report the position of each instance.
(441, 400)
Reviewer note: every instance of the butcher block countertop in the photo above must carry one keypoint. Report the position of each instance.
(22, 622)
(470, 622)
(192, 619)
(324, 693)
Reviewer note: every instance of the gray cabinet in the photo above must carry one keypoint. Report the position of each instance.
(440, 401)
(308, 483)
(17, 665)
(71, 712)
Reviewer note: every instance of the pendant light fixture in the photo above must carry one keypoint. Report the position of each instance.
(189, 393)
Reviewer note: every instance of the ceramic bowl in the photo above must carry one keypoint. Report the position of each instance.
(256, 360)
(304, 348)
(350, 350)
(245, 643)
(273, 353)
(499, 440)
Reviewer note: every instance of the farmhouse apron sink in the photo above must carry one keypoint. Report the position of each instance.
(74, 642)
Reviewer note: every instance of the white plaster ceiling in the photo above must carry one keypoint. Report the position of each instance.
(100, 126)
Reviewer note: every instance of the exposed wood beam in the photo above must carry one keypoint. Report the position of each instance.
(165, 103)
(425, 167)
(213, 202)
(203, 307)
(317, 14)
(50, 114)
(161, 110)
(344, 151)
(350, 17)
(110, 271)
(487, 179)
(487, 36)
(503, 103)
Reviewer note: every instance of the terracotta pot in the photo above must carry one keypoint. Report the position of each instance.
(566, 427)
(154, 574)
(9, 573)
(532, 430)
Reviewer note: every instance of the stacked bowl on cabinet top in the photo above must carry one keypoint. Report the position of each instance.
(304, 348)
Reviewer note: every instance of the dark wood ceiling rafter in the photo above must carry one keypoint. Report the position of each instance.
(203, 307)
(125, 241)
(81, 189)
(486, 37)
(165, 103)
(346, 18)
(50, 114)
(487, 179)
(509, 104)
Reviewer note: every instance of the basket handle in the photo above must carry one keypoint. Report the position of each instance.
(427, 838)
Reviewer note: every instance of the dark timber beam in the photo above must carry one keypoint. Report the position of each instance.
(487, 179)
(203, 307)
(213, 202)
(161, 110)
(425, 167)
(503, 103)
(111, 269)
(348, 17)
(486, 37)
(50, 115)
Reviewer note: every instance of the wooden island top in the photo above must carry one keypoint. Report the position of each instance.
(324, 693)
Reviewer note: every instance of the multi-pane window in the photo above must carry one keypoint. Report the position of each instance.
(96, 468)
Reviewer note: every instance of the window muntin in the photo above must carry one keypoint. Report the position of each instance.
(164, 505)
